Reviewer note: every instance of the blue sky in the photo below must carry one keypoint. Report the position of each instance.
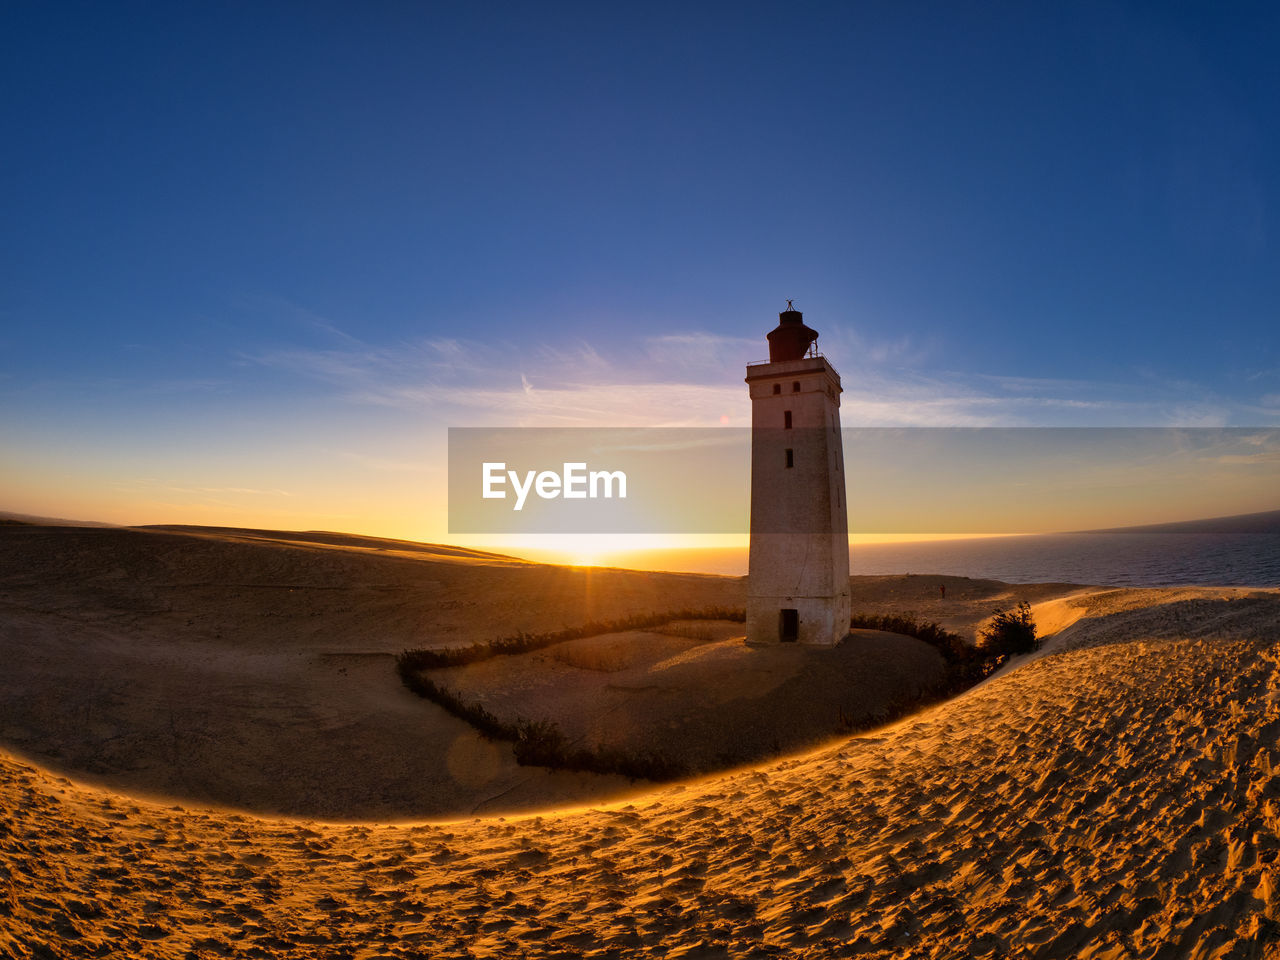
(280, 247)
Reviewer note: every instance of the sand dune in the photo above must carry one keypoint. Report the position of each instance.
(1114, 795)
(1117, 796)
(253, 668)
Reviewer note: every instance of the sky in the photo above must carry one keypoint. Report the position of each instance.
(256, 259)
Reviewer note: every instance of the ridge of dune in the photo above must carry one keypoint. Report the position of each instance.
(255, 668)
(1118, 796)
(346, 541)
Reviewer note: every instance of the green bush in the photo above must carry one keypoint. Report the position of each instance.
(1009, 632)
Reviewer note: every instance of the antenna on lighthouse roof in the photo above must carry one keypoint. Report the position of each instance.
(789, 306)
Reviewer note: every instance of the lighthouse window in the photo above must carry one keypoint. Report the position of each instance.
(786, 419)
(795, 386)
(777, 388)
(791, 458)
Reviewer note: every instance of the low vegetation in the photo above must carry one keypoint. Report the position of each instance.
(703, 631)
(541, 743)
(950, 645)
(967, 663)
(538, 742)
(428, 659)
(1009, 632)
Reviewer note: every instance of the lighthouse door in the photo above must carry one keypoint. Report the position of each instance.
(788, 625)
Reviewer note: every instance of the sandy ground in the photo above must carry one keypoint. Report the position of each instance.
(965, 605)
(707, 705)
(254, 668)
(1116, 796)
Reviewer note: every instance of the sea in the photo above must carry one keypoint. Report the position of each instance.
(1122, 559)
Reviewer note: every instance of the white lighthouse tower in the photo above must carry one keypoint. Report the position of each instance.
(798, 582)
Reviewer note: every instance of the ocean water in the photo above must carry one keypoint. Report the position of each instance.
(1108, 559)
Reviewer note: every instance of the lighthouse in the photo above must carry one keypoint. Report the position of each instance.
(798, 575)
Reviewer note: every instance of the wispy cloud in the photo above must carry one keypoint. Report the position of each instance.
(1231, 447)
(282, 309)
(695, 379)
(153, 483)
(479, 384)
(905, 351)
(1247, 458)
(690, 353)
(387, 464)
(185, 385)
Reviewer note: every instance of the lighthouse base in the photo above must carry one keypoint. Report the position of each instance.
(819, 621)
